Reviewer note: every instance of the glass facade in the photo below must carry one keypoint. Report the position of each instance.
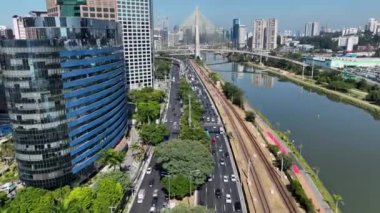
(66, 96)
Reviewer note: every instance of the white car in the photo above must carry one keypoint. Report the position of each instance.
(149, 170)
(233, 178)
(225, 178)
(152, 209)
(209, 179)
(155, 193)
(220, 150)
(228, 198)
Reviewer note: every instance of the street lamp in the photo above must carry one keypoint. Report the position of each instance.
(112, 209)
(169, 176)
(190, 178)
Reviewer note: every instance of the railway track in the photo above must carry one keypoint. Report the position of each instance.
(286, 197)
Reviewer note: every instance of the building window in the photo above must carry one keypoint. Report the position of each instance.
(92, 9)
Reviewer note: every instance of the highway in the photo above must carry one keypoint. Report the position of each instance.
(221, 177)
(152, 181)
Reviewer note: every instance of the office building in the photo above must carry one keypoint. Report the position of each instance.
(312, 29)
(6, 33)
(265, 34)
(65, 94)
(136, 19)
(348, 42)
(18, 23)
(235, 33)
(96, 9)
(242, 37)
(350, 31)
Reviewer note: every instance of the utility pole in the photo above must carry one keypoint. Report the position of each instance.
(303, 71)
(189, 110)
(312, 70)
(282, 163)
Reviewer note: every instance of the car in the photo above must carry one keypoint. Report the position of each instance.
(155, 193)
(218, 193)
(212, 119)
(152, 209)
(225, 178)
(220, 150)
(155, 200)
(228, 198)
(151, 182)
(222, 162)
(209, 178)
(237, 206)
(233, 178)
(149, 170)
(226, 155)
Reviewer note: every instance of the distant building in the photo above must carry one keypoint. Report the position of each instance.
(96, 9)
(312, 29)
(342, 62)
(265, 34)
(235, 33)
(350, 31)
(6, 33)
(373, 26)
(242, 37)
(348, 42)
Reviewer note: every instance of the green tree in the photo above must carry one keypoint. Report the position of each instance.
(340, 86)
(287, 161)
(299, 194)
(111, 157)
(153, 134)
(194, 134)
(214, 77)
(146, 94)
(3, 199)
(273, 149)
(182, 157)
(80, 199)
(26, 200)
(179, 186)
(182, 208)
(162, 68)
(250, 116)
(108, 194)
(7, 150)
(374, 95)
(234, 93)
(148, 112)
(120, 177)
(138, 152)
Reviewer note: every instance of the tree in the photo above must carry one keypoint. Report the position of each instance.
(182, 208)
(3, 199)
(146, 94)
(214, 77)
(179, 186)
(181, 157)
(79, 200)
(340, 86)
(234, 93)
(273, 149)
(374, 95)
(194, 134)
(338, 199)
(108, 194)
(7, 150)
(26, 200)
(286, 160)
(138, 152)
(148, 111)
(111, 157)
(153, 134)
(120, 177)
(250, 116)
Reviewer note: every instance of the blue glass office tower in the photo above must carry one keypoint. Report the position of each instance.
(235, 32)
(66, 97)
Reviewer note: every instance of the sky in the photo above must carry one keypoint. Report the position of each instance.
(291, 14)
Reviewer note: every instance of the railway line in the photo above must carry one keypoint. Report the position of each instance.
(236, 119)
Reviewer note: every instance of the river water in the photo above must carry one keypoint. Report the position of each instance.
(341, 140)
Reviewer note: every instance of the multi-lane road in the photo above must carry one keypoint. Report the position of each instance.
(222, 183)
(151, 181)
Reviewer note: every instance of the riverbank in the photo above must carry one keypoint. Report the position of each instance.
(339, 96)
(308, 178)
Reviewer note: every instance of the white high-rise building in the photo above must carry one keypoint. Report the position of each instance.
(136, 17)
(242, 37)
(312, 29)
(265, 34)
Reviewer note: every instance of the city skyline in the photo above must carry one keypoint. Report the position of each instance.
(333, 14)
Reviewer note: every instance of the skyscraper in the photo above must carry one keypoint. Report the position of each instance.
(136, 19)
(97, 9)
(312, 29)
(265, 34)
(235, 33)
(65, 91)
(242, 37)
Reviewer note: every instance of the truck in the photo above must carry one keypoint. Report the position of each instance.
(140, 196)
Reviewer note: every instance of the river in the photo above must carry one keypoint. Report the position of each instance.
(343, 141)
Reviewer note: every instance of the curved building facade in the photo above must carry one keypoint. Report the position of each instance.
(65, 90)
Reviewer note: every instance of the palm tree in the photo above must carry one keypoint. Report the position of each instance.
(138, 151)
(338, 199)
(111, 157)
